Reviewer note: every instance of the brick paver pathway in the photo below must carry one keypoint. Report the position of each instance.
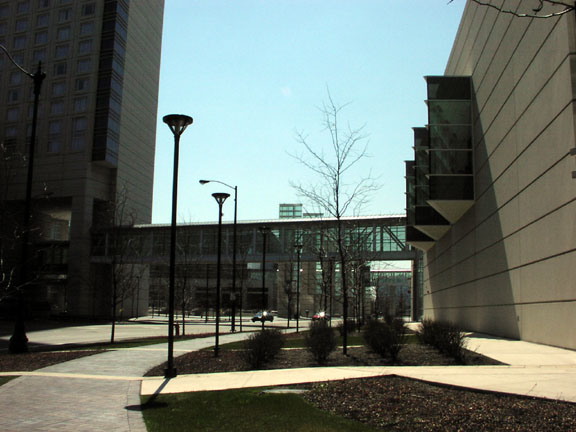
(108, 400)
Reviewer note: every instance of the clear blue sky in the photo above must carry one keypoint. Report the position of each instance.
(252, 72)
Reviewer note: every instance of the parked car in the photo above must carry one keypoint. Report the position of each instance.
(320, 316)
(263, 316)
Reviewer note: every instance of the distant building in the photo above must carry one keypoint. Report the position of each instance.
(491, 192)
(295, 211)
(96, 133)
(290, 211)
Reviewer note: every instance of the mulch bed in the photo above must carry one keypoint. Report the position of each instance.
(37, 360)
(231, 361)
(400, 404)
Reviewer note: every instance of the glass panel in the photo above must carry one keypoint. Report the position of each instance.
(451, 162)
(451, 187)
(449, 112)
(422, 194)
(451, 137)
(443, 87)
(421, 157)
(420, 137)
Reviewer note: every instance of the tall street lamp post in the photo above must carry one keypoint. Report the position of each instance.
(203, 182)
(264, 230)
(19, 341)
(220, 198)
(177, 124)
(299, 255)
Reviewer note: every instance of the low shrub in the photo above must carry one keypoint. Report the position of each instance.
(321, 341)
(386, 340)
(351, 327)
(448, 338)
(262, 347)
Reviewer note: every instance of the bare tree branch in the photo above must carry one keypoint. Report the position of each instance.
(333, 192)
(565, 8)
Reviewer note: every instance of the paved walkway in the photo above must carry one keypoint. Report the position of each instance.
(102, 392)
(95, 393)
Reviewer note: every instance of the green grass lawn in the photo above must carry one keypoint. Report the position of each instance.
(4, 380)
(245, 410)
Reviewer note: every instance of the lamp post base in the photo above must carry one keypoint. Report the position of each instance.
(170, 373)
(18, 340)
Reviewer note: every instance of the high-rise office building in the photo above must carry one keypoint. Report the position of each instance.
(95, 136)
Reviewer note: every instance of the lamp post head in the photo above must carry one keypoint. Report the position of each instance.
(264, 230)
(220, 197)
(203, 182)
(177, 123)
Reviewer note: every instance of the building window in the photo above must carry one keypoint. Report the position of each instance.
(80, 104)
(13, 95)
(18, 58)
(43, 4)
(55, 127)
(23, 7)
(42, 20)
(15, 78)
(55, 231)
(11, 131)
(3, 28)
(78, 143)
(12, 114)
(86, 28)
(64, 15)
(53, 145)
(84, 65)
(21, 25)
(58, 89)
(39, 55)
(81, 84)
(88, 9)
(41, 37)
(19, 42)
(4, 11)
(79, 125)
(61, 51)
(60, 69)
(63, 34)
(57, 107)
(85, 46)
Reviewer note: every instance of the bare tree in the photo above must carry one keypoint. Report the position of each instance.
(123, 252)
(558, 8)
(12, 229)
(188, 259)
(334, 192)
(9, 228)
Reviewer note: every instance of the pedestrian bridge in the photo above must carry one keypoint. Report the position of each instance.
(366, 238)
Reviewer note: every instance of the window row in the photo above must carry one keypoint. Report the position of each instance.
(58, 89)
(42, 21)
(23, 7)
(55, 127)
(63, 35)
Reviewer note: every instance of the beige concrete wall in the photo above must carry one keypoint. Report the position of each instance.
(508, 266)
